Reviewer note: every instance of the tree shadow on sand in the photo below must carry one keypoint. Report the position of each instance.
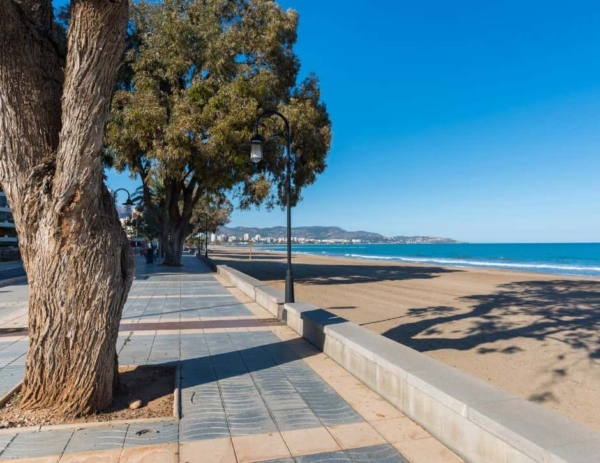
(275, 267)
(561, 310)
(564, 310)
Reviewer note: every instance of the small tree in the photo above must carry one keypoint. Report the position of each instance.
(209, 214)
(53, 109)
(200, 73)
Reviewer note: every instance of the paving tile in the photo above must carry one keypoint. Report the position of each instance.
(399, 430)
(94, 439)
(329, 457)
(301, 418)
(283, 401)
(426, 450)
(145, 434)
(106, 456)
(375, 410)
(376, 454)
(310, 441)
(212, 451)
(331, 409)
(251, 422)
(202, 429)
(168, 453)
(5, 440)
(356, 435)
(260, 447)
(37, 444)
(46, 459)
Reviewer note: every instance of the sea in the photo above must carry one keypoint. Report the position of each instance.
(581, 259)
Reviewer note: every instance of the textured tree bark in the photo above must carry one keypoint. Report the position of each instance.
(173, 239)
(175, 222)
(76, 255)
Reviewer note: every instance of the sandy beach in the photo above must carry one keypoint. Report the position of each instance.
(534, 335)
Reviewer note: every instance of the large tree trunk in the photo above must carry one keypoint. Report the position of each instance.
(78, 261)
(175, 221)
(173, 239)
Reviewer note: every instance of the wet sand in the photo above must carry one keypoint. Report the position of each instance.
(534, 335)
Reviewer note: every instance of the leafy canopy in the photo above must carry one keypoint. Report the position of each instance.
(197, 75)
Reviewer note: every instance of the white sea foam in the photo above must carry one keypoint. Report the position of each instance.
(450, 262)
(471, 263)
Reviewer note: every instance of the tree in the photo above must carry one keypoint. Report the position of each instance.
(144, 221)
(53, 109)
(199, 74)
(210, 213)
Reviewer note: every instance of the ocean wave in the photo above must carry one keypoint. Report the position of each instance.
(469, 263)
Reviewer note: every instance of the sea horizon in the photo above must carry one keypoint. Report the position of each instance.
(572, 259)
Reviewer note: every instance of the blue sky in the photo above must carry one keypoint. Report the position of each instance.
(471, 120)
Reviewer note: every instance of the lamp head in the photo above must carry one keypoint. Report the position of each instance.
(256, 151)
(129, 203)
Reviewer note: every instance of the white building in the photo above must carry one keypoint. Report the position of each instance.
(8, 232)
(246, 236)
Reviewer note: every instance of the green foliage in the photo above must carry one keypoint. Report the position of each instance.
(210, 213)
(197, 74)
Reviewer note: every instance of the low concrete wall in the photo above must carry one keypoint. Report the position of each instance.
(475, 419)
(478, 421)
(266, 296)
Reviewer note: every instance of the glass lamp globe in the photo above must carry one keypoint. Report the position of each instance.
(256, 151)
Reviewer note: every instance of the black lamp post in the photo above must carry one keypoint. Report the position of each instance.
(129, 202)
(256, 154)
(206, 235)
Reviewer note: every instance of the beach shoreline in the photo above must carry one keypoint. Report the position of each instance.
(535, 335)
(508, 271)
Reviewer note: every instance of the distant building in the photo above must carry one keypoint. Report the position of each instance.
(8, 231)
(213, 237)
(246, 236)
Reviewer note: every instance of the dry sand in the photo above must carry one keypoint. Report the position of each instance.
(534, 335)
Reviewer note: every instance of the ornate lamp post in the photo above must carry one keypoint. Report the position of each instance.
(256, 154)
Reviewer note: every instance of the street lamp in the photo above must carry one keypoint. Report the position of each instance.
(206, 235)
(129, 202)
(256, 154)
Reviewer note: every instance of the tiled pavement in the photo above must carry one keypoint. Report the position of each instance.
(248, 394)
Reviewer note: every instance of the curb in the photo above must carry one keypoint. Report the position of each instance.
(6, 397)
(12, 281)
(177, 392)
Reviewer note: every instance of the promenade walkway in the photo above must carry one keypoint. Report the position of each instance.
(251, 389)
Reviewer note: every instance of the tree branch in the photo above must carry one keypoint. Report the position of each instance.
(30, 88)
(96, 44)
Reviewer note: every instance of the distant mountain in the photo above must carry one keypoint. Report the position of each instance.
(327, 233)
(123, 211)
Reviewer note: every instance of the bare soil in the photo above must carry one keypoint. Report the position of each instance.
(154, 386)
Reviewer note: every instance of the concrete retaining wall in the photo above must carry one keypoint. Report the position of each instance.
(266, 296)
(478, 421)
